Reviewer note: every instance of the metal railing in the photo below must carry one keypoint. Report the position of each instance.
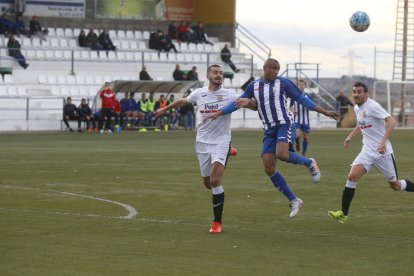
(252, 43)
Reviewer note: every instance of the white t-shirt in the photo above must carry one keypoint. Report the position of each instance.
(370, 119)
(212, 131)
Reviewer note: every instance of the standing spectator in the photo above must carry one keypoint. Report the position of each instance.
(19, 7)
(172, 30)
(192, 74)
(93, 40)
(143, 75)
(301, 119)
(14, 50)
(70, 112)
(343, 102)
(105, 41)
(179, 75)
(83, 40)
(108, 102)
(116, 112)
(376, 126)
(150, 116)
(201, 36)
(225, 56)
(85, 114)
(6, 25)
(36, 29)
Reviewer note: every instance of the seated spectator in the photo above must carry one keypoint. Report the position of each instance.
(143, 75)
(179, 75)
(36, 29)
(106, 41)
(14, 50)
(70, 112)
(19, 27)
(226, 57)
(153, 42)
(164, 119)
(165, 42)
(85, 114)
(191, 35)
(182, 30)
(6, 25)
(174, 114)
(93, 40)
(142, 108)
(150, 115)
(129, 110)
(244, 86)
(82, 40)
(192, 75)
(172, 30)
(200, 35)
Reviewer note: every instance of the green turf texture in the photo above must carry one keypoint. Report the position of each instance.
(45, 231)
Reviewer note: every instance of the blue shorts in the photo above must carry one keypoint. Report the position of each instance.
(304, 127)
(276, 134)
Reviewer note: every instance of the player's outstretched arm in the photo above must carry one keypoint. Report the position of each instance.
(351, 135)
(178, 103)
(331, 114)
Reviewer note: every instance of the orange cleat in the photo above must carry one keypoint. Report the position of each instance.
(215, 227)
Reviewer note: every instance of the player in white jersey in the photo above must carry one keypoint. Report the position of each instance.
(213, 137)
(376, 149)
(301, 119)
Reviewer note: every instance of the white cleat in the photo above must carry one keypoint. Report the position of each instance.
(314, 171)
(295, 206)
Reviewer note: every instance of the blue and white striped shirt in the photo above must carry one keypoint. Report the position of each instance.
(271, 98)
(302, 112)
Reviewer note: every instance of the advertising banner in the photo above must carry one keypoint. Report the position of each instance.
(45, 8)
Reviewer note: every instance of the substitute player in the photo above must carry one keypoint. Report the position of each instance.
(301, 119)
(376, 148)
(213, 137)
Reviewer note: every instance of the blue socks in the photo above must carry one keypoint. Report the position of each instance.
(304, 146)
(280, 183)
(298, 159)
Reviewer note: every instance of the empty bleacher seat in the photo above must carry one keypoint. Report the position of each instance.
(69, 32)
(54, 42)
(7, 78)
(60, 32)
(138, 34)
(112, 34)
(70, 79)
(145, 35)
(121, 34)
(133, 45)
(61, 79)
(142, 45)
(52, 32)
(80, 79)
(63, 43)
(51, 79)
(129, 34)
(124, 45)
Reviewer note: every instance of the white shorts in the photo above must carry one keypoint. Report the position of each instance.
(209, 153)
(385, 164)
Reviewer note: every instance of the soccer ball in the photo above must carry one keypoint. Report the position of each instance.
(233, 152)
(359, 21)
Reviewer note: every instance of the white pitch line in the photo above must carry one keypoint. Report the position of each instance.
(132, 212)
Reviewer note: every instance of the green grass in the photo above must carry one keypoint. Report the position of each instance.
(46, 231)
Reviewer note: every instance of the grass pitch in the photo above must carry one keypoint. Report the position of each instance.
(64, 196)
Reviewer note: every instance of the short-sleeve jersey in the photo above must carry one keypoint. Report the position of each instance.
(370, 119)
(271, 98)
(302, 112)
(212, 131)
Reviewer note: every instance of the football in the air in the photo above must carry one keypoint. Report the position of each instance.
(359, 21)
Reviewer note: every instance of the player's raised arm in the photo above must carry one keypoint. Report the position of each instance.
(178, 103)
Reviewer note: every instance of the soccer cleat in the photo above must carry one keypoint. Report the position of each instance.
(295, 206)
(215, 227)
(314, 171)
(338, 215)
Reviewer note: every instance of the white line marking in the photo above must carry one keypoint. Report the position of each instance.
(132, 212)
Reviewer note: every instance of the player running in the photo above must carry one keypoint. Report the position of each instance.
(376, 148)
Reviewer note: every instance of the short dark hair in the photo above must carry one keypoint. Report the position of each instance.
(275, 62)
(361, 84)
(211, 66)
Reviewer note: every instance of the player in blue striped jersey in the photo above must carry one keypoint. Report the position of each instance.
(301, 119)
(270, 94)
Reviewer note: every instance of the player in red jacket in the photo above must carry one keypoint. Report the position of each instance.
(108, 102)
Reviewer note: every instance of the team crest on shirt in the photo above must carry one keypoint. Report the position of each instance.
(364, 114)
(220, 98)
